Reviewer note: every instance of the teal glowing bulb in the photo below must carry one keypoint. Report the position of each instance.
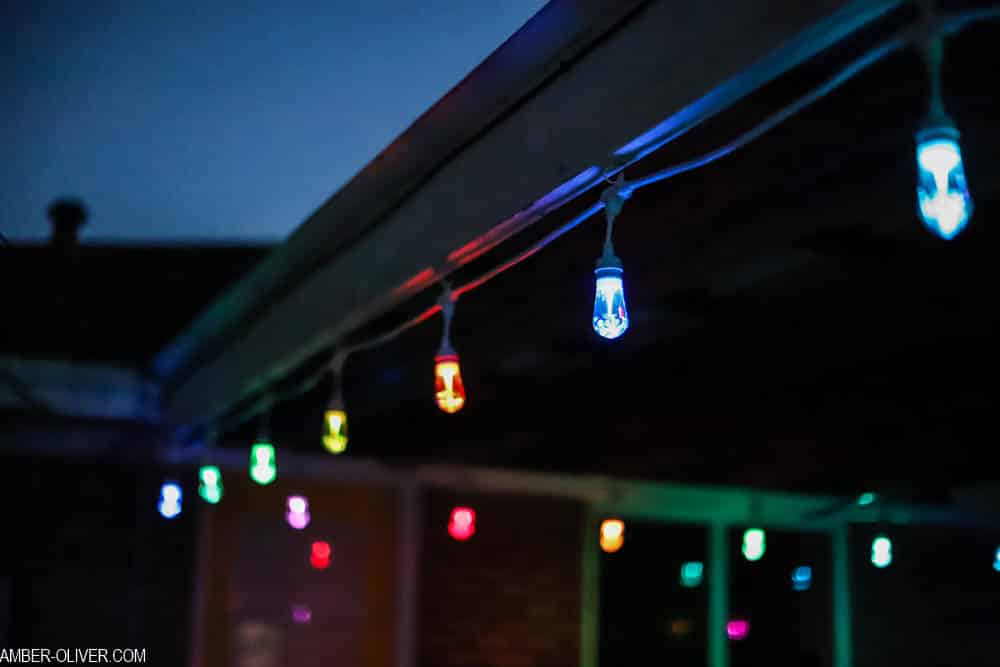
(996, 560)
(942, 195)
(691, 574)
(881, 551)
(754, 544)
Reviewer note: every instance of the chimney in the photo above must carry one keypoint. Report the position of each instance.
(66, 216)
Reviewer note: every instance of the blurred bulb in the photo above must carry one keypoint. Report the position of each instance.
(612, 535)
(737, 629)
(297, 515)
(754, 544)
(866, 498)
(462, 524)
(210, 484)
(942, 194)
(996, 560)
(801, 578)
(610, 316)
(335, 431)
(301, 613)
(691, 574)
(263, 468)
(319, 556)
(881, 551)
(170, 500)
(448, 388)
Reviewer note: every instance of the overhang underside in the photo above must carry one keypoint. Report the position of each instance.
(597, 102)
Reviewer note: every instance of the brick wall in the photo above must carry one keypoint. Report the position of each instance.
(509, 596)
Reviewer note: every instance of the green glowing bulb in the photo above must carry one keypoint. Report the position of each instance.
(691, 574)
(754, 544)
(263, 468)
(210, 484)
(881, 551)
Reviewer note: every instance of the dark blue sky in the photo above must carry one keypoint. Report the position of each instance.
(218, 120)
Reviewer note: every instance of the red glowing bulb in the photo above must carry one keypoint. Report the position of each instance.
(463, 523)
(320, 556)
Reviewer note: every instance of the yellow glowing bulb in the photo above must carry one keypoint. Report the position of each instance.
(448, 388)
(612, 535)
(335, 431)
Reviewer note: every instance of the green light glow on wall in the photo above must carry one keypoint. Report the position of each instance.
(754, 544)
(691, 573)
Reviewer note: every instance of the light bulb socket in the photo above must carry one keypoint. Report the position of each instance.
(445, 355)
(608, 260)
(937, 126)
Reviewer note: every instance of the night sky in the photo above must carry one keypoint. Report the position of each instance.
(220, 120)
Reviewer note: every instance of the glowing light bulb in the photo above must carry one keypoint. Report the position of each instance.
(448, 388)
(263, 468)
(754, 544)
(301, 613)
(462, 524)
(319, 556)
(881, 551)
(297, 515)
(942, 195)
(210, 484)
(866, 498)
(802, 578)
(335, 431)
(612, 535)
(170, 500)
(737, 629)
(996, 560)
(691, 574)
(610, 315)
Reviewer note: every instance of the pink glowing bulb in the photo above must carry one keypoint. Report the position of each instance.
(737, 629)
(298, 521)
(463, 523)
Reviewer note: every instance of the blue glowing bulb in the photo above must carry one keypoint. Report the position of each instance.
(996, 560)
(170, 500)
(942, 195)
(802, 578)
(610, 315)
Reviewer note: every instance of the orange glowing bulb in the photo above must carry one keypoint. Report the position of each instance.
(448, 388)
(612, 535)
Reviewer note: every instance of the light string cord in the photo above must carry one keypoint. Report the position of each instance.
(949, 25)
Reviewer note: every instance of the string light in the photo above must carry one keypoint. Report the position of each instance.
(691, 574)
(802, 578)
(610, 315)
(612, 535)
(737, 629)
(449, 391)
(263, 467)
(462, 524)
(943, 198)
(335, 417)
(319, 555)
(881, 551)
(297, 513)
(170, 500)
(210, 484)
(996, 560)
(754, 544)
(301, 613)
